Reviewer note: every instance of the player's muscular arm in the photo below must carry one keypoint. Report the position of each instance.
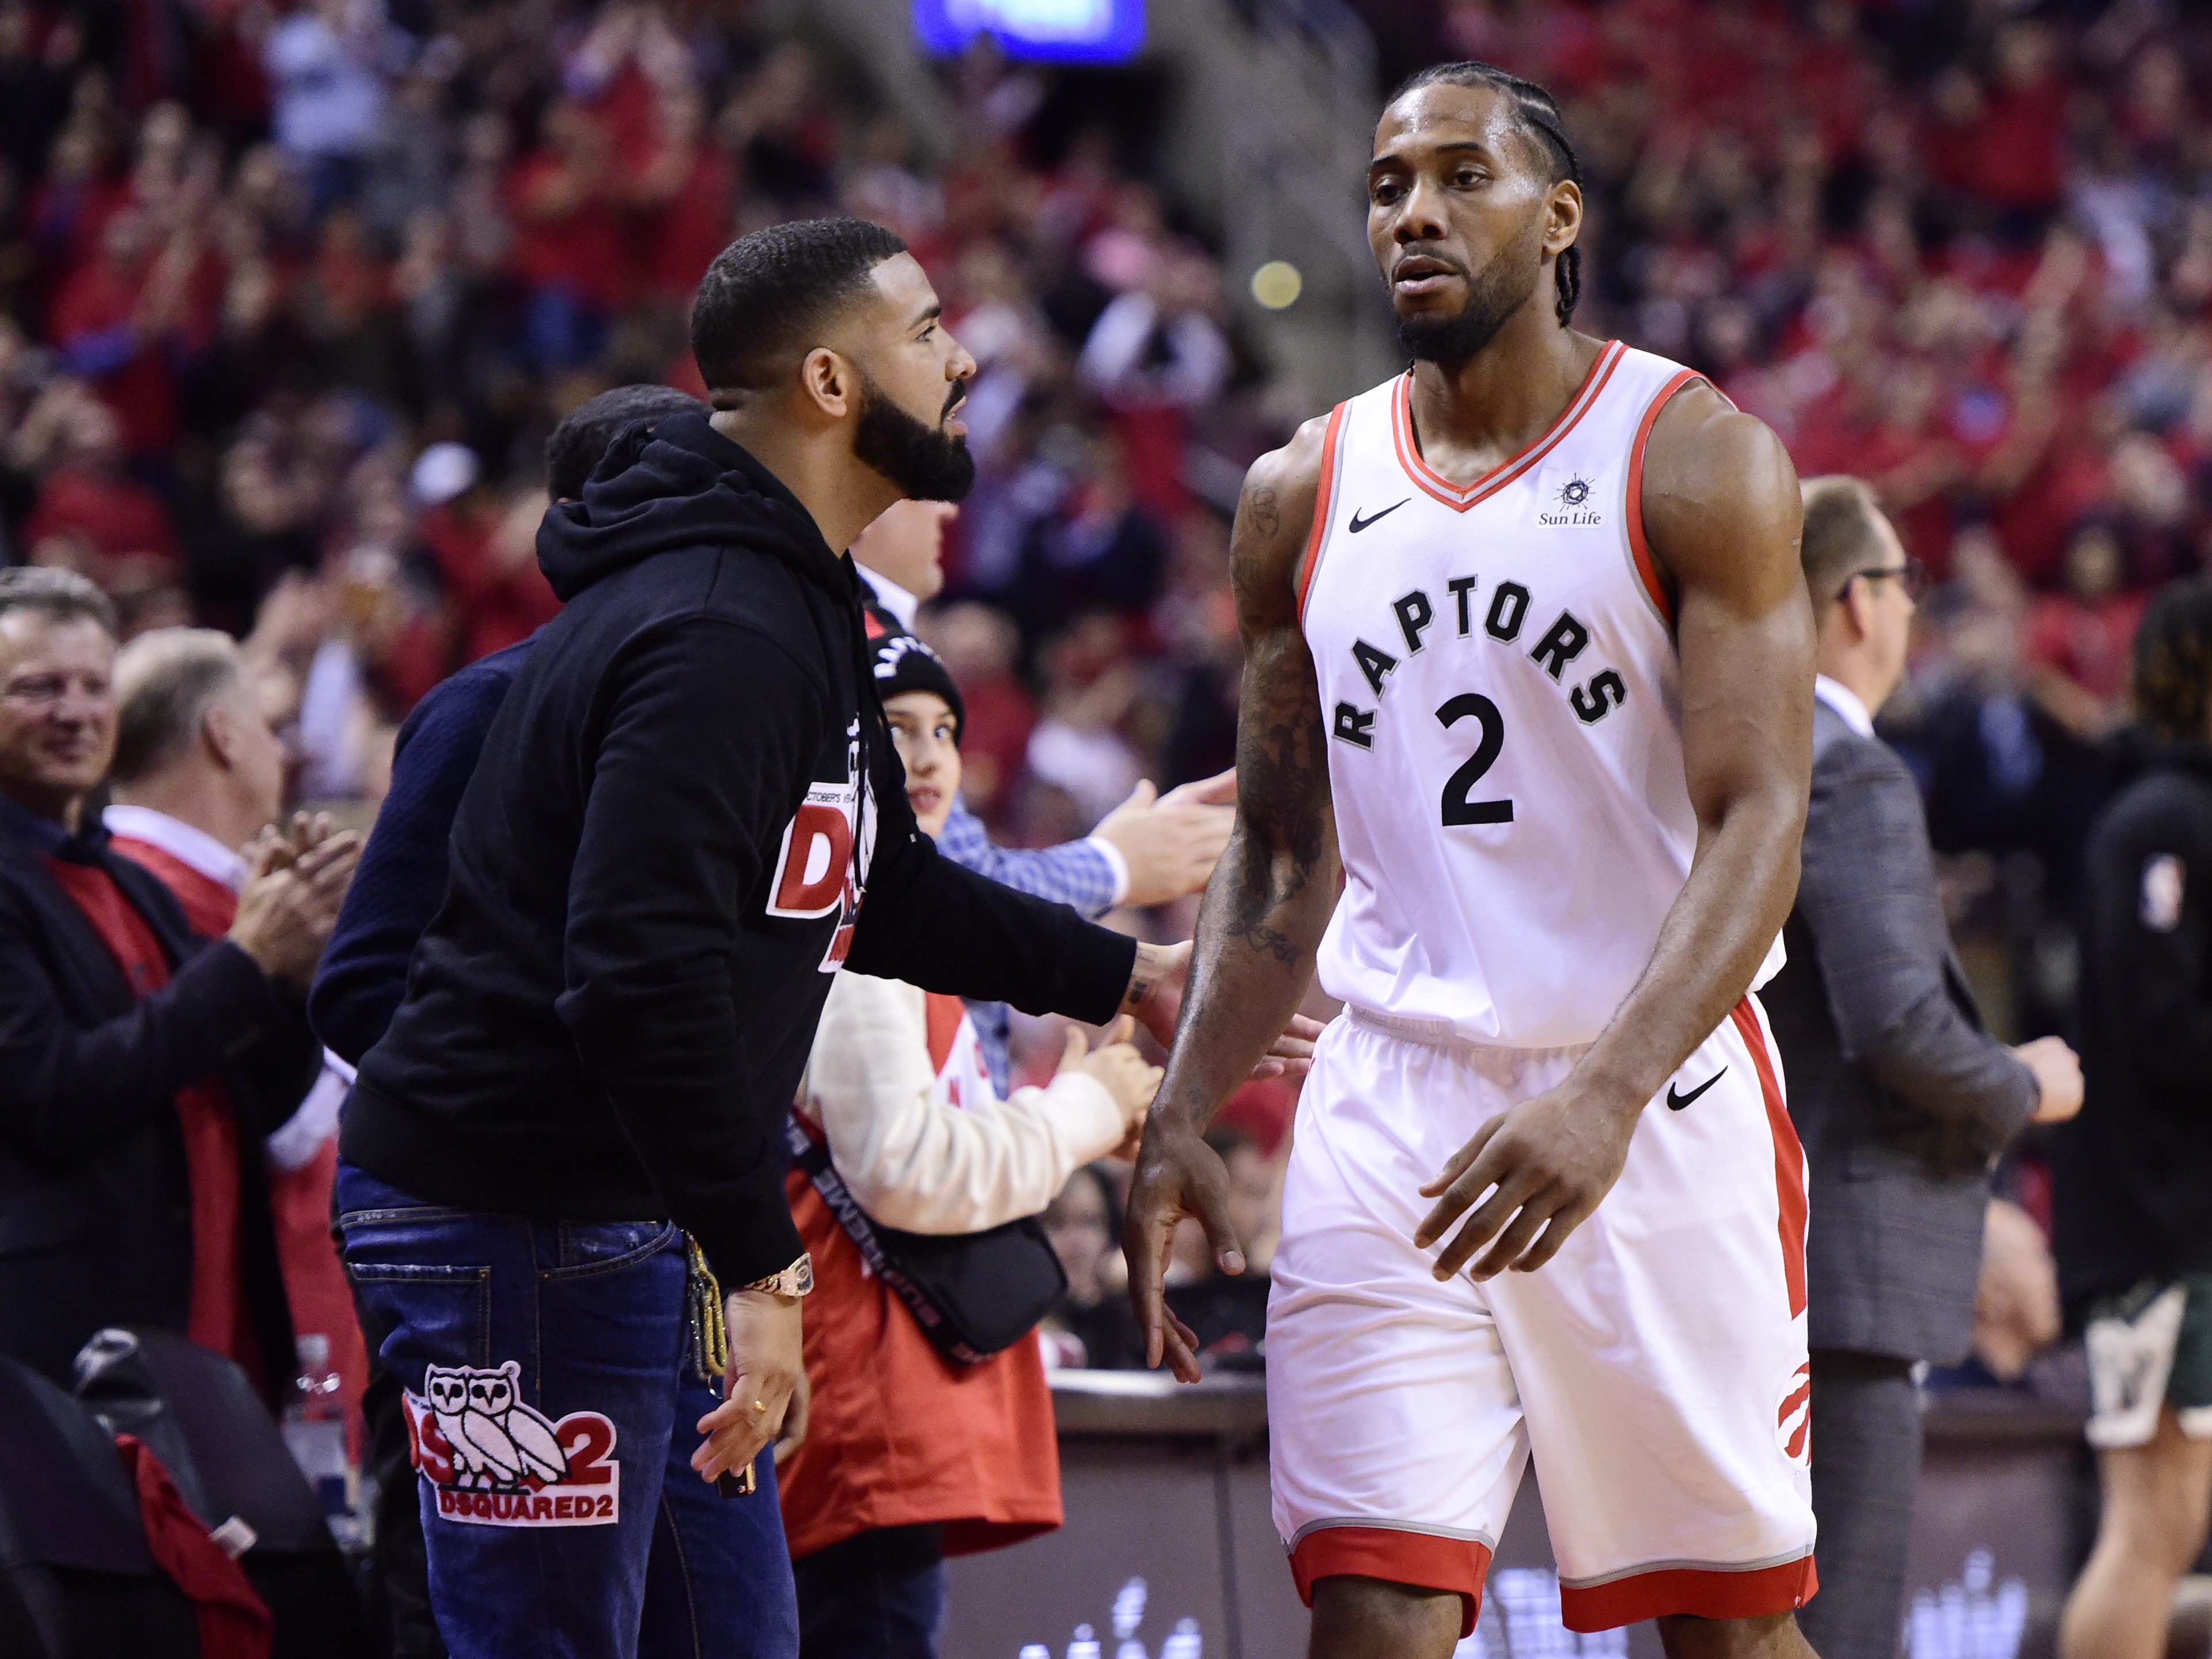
(1269, 903)
(1722, 514)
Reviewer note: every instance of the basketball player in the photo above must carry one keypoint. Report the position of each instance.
(1529, 660)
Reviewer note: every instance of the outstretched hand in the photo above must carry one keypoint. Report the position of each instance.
(1155, 998)
(1178, 1175)
(1171, 842)
(1549, 1159)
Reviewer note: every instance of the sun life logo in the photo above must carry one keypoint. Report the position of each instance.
(1573, 499)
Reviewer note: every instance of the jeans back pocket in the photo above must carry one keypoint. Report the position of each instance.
(428, 1314)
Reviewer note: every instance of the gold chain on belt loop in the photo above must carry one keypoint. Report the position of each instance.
(710, 1334)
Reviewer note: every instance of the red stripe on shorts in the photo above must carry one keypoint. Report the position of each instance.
(1396, 1556)
(1789, 1155)
(1699, 1592)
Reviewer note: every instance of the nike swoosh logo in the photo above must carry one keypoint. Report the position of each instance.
(1676, 1100)
(1360, 524)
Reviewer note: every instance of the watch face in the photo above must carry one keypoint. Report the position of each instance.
(802, 1274)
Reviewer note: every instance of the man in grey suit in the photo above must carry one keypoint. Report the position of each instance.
(1901, 1099)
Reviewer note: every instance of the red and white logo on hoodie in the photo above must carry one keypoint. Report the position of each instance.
(822, 866)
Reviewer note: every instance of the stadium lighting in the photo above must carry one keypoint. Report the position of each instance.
(1041, 31)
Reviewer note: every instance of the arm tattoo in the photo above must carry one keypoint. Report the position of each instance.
(1279, 768)
(1266, 514)
(1282, 840)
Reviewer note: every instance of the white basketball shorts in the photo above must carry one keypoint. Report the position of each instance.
(1656, 1368)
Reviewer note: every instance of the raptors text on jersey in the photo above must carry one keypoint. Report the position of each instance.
(1499, 678)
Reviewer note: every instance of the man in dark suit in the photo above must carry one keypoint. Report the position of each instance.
(1900, 1097)
(140, 1065)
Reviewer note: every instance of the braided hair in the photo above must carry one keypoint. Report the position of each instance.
(2173, 660)
(1537, 114)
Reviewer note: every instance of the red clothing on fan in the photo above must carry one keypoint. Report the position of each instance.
(98, 299)
(210, 907)
(684, 235)
(585, 250)
(117, 517)
(217, 1319)
(995, 739)
(2089, 641)
(299, 1199)
(897, 1437)
(499, 604)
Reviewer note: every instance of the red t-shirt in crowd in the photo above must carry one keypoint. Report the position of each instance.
(2089, 641)
(117, 517)
(499, 603)
(585, 250)
(142, 389)
(682, 235)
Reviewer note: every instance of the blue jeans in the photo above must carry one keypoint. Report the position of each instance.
(875, 1595)
(551, 1399)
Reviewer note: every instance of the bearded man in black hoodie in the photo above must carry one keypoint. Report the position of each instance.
(687, 816)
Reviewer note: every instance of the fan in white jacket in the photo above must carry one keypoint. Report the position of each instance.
(932, 1149)
(907, 1457)
(897, 1080)
(914, 1128)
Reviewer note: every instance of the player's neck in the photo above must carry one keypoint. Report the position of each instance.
(1477, 414)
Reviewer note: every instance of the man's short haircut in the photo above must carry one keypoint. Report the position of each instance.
(165, 681)
(2173, 660)
(767, 295)
(581, 442)
(1536, 112)
(1842, 535)
(62, 594)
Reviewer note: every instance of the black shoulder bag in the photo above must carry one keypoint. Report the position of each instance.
(975, 1295)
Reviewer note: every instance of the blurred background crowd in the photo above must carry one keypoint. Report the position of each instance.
(289, 300)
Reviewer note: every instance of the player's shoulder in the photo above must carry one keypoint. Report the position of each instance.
(1700, 436)
(1710, 468)
(1296, 464)
(1275, 514)
(1299, 468)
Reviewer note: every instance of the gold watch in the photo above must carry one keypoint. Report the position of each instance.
(797, 1279)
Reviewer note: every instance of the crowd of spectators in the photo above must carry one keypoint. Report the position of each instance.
(289, 301)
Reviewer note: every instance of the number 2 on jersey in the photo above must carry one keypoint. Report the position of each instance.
(1457, 808)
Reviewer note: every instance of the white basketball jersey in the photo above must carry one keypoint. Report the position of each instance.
(1499, 677)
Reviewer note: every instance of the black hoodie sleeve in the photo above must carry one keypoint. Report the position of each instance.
(931, 923)
(705, 726)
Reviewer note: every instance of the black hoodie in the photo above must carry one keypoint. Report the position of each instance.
(2134, 1171)
(661, 859)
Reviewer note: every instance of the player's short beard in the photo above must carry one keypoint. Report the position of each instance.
(1493, 293)
(926, 463)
